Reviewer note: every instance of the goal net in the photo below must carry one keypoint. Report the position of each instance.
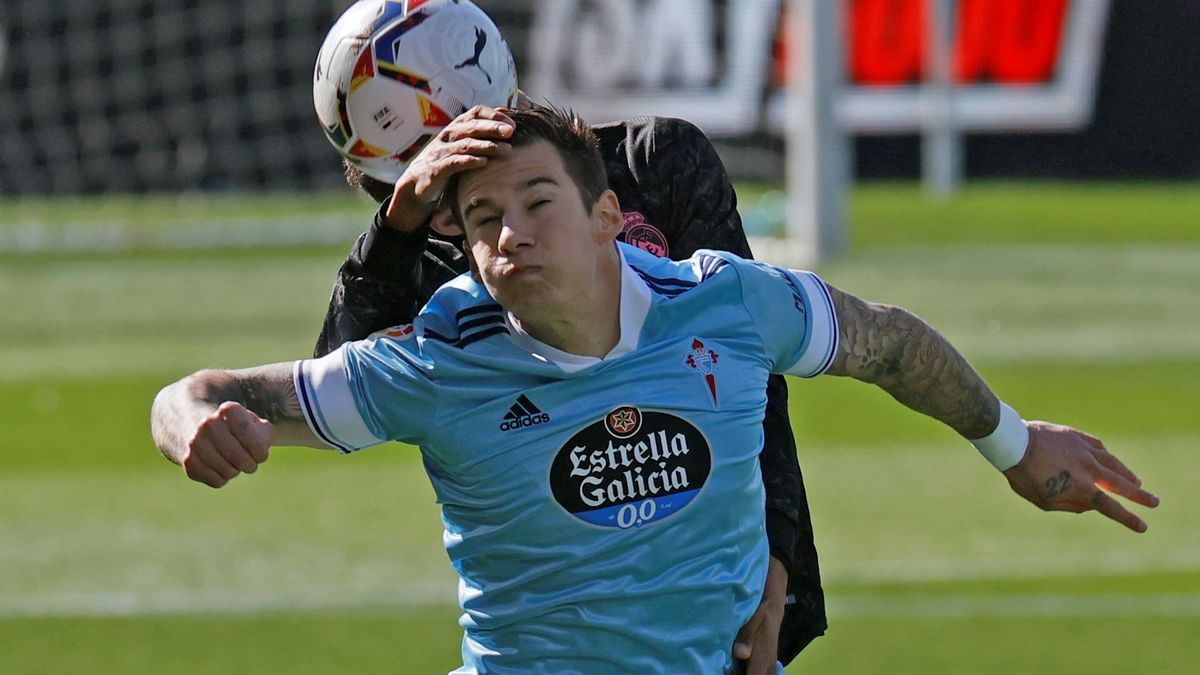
(162, 95)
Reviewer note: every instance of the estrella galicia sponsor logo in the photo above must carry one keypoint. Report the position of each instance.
(630, 468)
(523, 414)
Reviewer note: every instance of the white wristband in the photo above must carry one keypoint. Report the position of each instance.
(1005, 446)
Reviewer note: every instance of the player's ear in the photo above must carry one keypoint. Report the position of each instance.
(444, 223)
(607, 212)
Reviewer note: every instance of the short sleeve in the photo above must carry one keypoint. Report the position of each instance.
(367, 392)
(795, 316)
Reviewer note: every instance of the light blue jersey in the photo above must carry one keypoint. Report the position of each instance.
(604, 515)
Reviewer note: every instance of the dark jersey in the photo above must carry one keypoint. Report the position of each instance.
(676, 198)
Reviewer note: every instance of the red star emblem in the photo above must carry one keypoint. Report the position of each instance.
(623, 421)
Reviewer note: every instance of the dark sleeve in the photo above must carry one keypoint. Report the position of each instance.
(789, 527)
(781, 476)
(379, 285)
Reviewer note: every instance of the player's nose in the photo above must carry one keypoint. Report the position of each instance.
(515, 232)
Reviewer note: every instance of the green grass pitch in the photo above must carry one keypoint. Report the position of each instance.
(1078, 303)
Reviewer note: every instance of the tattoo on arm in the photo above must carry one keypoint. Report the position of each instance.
(890, 347)
(267, 391)
(270, 392)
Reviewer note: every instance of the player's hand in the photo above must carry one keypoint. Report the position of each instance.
(226, 442)
(1068, 470)
(757, 643)
(464, 144)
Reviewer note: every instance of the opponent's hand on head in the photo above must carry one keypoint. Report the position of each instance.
(226, 442)
(464, 144)
(1068, 470)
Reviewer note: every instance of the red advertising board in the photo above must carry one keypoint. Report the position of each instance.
(1016, 63)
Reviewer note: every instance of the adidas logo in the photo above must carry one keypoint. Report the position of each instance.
(523, 414)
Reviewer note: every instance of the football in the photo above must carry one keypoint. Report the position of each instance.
(390, 75)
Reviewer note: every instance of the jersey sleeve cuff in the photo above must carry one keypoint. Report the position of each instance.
(328, 404)
(821, 327)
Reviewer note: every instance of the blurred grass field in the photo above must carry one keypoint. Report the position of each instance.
(1078, 303)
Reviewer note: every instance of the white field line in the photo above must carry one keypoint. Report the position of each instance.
(921, 606)
(1081, 565)
(228, 602)
(216, 233)
(953, 606)
(849, 604)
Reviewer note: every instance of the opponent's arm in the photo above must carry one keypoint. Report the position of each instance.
(394, 267)
(1062, 469)
(219, 423)
(379, 285)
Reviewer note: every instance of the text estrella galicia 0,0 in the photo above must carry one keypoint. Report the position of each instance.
(630, 468)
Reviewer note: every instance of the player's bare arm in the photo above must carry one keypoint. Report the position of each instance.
(897, 351)
(216, 424)
(1062, 469)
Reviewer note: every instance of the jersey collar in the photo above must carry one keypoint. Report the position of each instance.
(635, 306)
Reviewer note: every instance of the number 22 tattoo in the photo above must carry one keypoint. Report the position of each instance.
(1057, 485)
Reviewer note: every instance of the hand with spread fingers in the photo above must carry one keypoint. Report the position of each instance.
(1067, 470)
(465, 144)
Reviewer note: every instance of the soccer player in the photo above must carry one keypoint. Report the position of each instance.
(676, 198)
(622, 531)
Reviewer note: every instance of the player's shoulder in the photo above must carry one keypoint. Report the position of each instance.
(671, 278)
(460, 313)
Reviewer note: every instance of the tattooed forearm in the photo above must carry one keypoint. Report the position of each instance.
(267, 391)
(270, 392)
(906, 357)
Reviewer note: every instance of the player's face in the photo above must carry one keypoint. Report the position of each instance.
(533, 241)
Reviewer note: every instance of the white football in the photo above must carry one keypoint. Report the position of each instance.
(390, 75)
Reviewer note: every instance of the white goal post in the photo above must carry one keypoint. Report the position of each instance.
(817, 148)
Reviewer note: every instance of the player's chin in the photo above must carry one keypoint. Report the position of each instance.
(525, 293)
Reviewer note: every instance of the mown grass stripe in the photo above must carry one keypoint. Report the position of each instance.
(935, 606)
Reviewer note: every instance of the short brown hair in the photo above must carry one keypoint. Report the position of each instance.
(377, 189)
(575, 141)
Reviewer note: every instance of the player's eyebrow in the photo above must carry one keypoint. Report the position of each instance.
(484, 202)
(474, 206)
(538, 180)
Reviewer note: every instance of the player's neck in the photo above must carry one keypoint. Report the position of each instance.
(588, 323)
